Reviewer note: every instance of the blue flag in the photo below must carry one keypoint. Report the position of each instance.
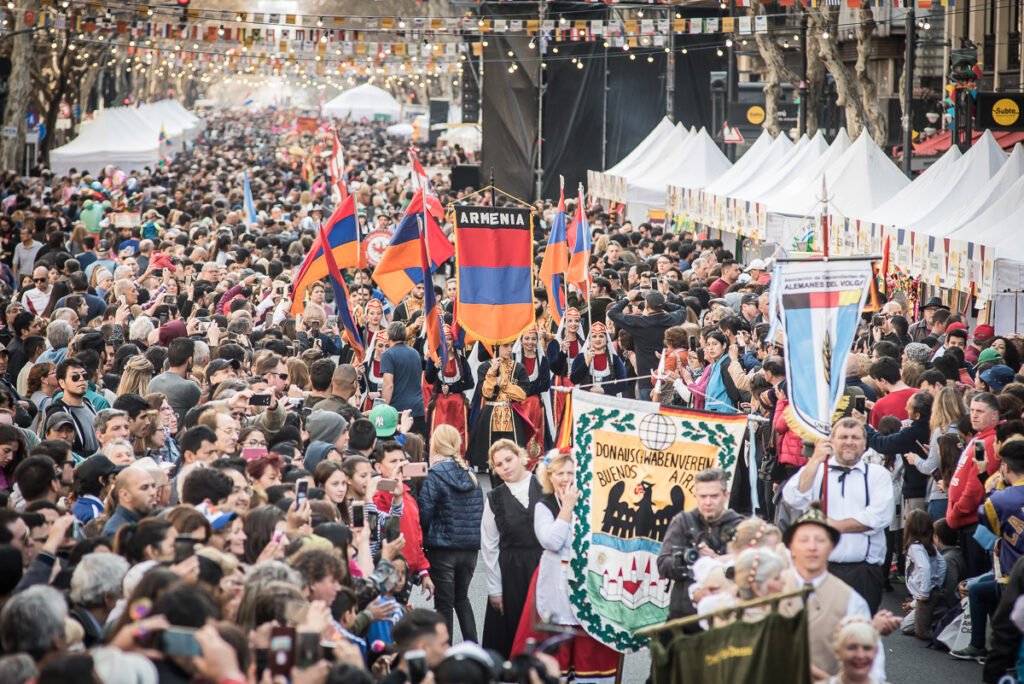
(250, 206)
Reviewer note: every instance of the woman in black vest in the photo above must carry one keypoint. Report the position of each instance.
(510, 548)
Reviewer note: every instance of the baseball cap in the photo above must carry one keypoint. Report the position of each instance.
(385, 420)
(95, 467)
(217, 365)
(998, 377)
(955, 326)
(217, 519)
(983, 332)
(58, 419)
(749, 299)
(989, 355)
(758, 264)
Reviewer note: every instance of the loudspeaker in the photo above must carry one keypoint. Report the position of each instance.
(466, 176)
(438, 115)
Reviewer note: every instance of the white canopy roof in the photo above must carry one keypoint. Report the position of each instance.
(804, 153)
(177, 127)
(116, 137)
(673, 145)
(857, 182)
(908, 204)
(957, 208)
(982, 228)
(363, 102)
(735, 176)
(660, 132)
(698, 163)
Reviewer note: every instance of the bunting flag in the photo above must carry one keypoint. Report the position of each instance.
(165, 142)
(494, 268)
(422, 180)
(433, 317)
(579, 248)
(399, 270)
(341, 231)
(250, 206)
(338, 174)
(350, 331)
(819, 304)
(556, 263)
(636, 467)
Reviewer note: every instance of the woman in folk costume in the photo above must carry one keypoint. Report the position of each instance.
(375, 321)
(372, 376)
(526, 352)
(584, 658)
(598, 366)
(448, 405)
(561, 352)
(502, 386)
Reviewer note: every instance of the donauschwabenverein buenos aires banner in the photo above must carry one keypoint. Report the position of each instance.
(818, 303)
(636, 467)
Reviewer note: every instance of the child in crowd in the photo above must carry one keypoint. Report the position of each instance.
(925, 572)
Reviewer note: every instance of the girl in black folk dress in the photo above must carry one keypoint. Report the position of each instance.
(510, 549)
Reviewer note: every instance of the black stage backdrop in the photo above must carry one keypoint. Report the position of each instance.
(509, 112)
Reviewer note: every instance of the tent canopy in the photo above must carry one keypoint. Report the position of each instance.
(698, 163)
(734, 177)
(363, 102)
(805, 152)
(117, 136)
(911, 201)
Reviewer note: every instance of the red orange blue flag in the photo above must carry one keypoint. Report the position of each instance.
(341, 233)
(350, 331)
(556, 262)
(399, 270)
(579, 247)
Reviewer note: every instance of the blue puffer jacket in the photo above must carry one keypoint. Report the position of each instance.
(451, 506)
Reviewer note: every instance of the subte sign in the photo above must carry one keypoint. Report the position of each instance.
(1000, 111)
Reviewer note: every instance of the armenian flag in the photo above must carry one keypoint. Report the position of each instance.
(342, 236)
(556, 262)
(348, 323)
(494, 269)
(579, 248)
(399, 270)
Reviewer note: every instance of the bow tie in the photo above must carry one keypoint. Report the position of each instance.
(843, 472)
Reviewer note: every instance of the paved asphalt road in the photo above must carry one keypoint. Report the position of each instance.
(908, 660)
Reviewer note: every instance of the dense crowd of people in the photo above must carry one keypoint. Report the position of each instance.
(198, 485)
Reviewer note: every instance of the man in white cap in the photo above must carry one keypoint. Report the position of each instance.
(757, 269)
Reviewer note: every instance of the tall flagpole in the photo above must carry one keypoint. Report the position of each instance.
(565, 276)
(588, 294)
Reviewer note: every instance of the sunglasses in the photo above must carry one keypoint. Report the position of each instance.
(77, 377)
(282, 376)
(39, 280)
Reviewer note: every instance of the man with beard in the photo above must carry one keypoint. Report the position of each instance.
(135, 494)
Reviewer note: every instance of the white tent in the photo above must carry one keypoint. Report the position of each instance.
(670, 146)
(698, 163)
(660, 132)
(860, 180)
(179, 129)
(363, 102)
(400, 130)
(957, 207)
(176, 107)
(467, 136)
(116, 137)
(712, 197)
(910, 202)
(806, 151)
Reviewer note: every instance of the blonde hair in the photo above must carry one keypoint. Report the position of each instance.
(549, 464)
(857, 627)
(502, 445)
(446, 441)
(136, 377)
(751, 533)
(756, 566)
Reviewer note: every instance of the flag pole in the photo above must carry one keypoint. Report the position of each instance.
(587, 294)
(565, 278)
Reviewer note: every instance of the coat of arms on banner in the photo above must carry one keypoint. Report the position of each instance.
(636, 467)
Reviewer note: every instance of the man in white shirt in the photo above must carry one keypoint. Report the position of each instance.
(38, 298)
(857, 499)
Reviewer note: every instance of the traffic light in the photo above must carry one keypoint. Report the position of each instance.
(963, 63)
(183, 4)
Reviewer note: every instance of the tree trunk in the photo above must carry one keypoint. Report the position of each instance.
(848, 92)
(868, 89)
(20, 90)
(815, 85)
(776, 72)
(85, 86)
(64, 64)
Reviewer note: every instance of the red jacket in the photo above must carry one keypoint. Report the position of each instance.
(410, 527)
(788, 444)
(966, 490)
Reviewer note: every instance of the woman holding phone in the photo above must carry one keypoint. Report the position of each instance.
(549, 591)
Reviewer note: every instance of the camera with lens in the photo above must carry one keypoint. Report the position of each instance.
(685, 557)
(382, 579)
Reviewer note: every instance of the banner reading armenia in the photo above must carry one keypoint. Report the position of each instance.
(636, 467)
(494, 269)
